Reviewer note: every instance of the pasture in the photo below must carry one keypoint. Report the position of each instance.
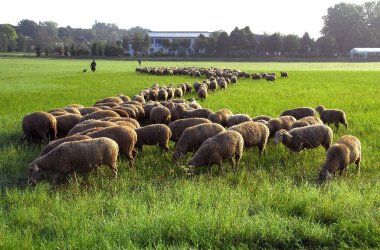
(272, 202)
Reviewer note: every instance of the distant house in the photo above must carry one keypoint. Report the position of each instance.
(174, 42)
(364, 52)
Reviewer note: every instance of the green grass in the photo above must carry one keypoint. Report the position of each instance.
(272, 202)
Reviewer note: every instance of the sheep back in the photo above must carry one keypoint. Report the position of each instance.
(152, 135)
(299, 113)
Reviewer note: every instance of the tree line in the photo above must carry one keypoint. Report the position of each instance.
(346, 26)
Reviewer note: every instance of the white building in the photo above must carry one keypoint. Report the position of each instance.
(157, 38)
(364, 52)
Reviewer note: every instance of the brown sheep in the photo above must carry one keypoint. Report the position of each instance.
(58, 112)
(200, 113)
(162, 95)
(53, 144)
(226, 145)
(329, 116)
(237, 119)
(307, 121)
(153, 94)
(124, 98)
(192, 138)
(345, 151)
(177, 127)
(261, 117)
(178, 93)
(254, 134)
(88, 110)
(125, 137)
(139, 98)
(72, 110)
(78, 156)
(110, 99)
(65, 123)
(221, 116)
(305, 137)
(193, 104)
(152, 135)
(148, 108)
(77, 106)
(89, 124)
(39, 127)
(299, 113)
(99, 115)
(202, 93)
(160, 114)
(135, 123)
(276, 124)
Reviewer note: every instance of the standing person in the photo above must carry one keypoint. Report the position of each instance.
(93, 66)
(139, 58)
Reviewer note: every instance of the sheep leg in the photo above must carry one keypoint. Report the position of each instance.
(262, 150)
(134, 153)
(357, 163)
(336, 125)
(220, 164)
(139, 148)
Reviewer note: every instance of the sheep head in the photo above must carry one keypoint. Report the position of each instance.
(324, 175)
(177, 155)
(279, 136)
(33, 173)
(320, 108)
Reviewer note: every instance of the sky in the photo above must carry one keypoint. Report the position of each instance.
(286, 17)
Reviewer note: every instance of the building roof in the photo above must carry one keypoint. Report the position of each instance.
(177, 34)
(364, 50)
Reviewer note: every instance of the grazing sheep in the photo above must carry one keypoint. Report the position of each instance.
(196, 86)
(177, 127)
(192, 138)
(110, 99)
(162, 95)
(193, 104)
(345, 151)
(160, 114)
(178, 93)
(88, 110)
(177, 112)
(128, 111)
(125, 137)
(139, 98)
(135, 123)
(77, 106)
(226, 145)
(72, 110)
(270, 78)
(39, 127)
(276, 124)
(89, 124)
(329, 116)
(305, 137)
(124, 98)
(200, 113)
(202, 93)
(284, 74)
(58, 112)
(299, 113)
(106, 104)
(53, 144)
(213, 86)
(261, 117)
(254, 134)
(153, 94)
(99, 115)
(237, 119)
(222, 84)
(65, 123)
(76, 156)
(148, 108)
(307, 121)
(221, 116)
(153, 135)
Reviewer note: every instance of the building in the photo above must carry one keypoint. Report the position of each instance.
(180, 42)
(364, 52)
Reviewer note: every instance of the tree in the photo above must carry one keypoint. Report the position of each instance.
(140, 41)
(8, 37)
(251, 39)
(306, 44)
(222, 45)
(42, 41)
(201, 44)
(27, 27)
(274, 43)
(360, 36)
(327, 44)
(291, 43)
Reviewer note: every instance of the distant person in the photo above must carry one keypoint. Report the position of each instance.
(139, 58)
(93, 66)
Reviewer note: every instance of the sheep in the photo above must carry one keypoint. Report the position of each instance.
(192, 138)
(99, 115)
(345, 151)
(306, 121)
(329, 116)
(178, 93)
(125, 137)
(89, 124)
(299, 113)
(226, 145)
(106, 104)
(53, 144)
(135, 123)
(196, 86)
(124, 98)
(177, 127)
(222, 84)
(200, 113)
(162, 95)
(270, 78)
(58, 112)
(77, 106)
(221, 116)
(124, 111)
(72, 110)
(305, 137)
(88, 110)
(261, 117)
(213, 86)
(236, 119)
(39, 127)
(202, 93)
(254, 134)
(178, 112)
(160, 114)
(148, 108)
(152, 95)
(76, 156)
(65, 123)
(193, 104)
(283, 122)
(152, 135)
(139, 98)
(110, 99)
(284, 74)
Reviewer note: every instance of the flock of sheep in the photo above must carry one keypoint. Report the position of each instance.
(83, 138)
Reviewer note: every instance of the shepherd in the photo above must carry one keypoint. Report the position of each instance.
(93, 66)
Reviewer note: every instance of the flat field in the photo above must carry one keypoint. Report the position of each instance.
(272, 202)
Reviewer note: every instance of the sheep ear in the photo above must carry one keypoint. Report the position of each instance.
(35, 168)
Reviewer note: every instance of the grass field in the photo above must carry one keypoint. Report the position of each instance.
(272, 202)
